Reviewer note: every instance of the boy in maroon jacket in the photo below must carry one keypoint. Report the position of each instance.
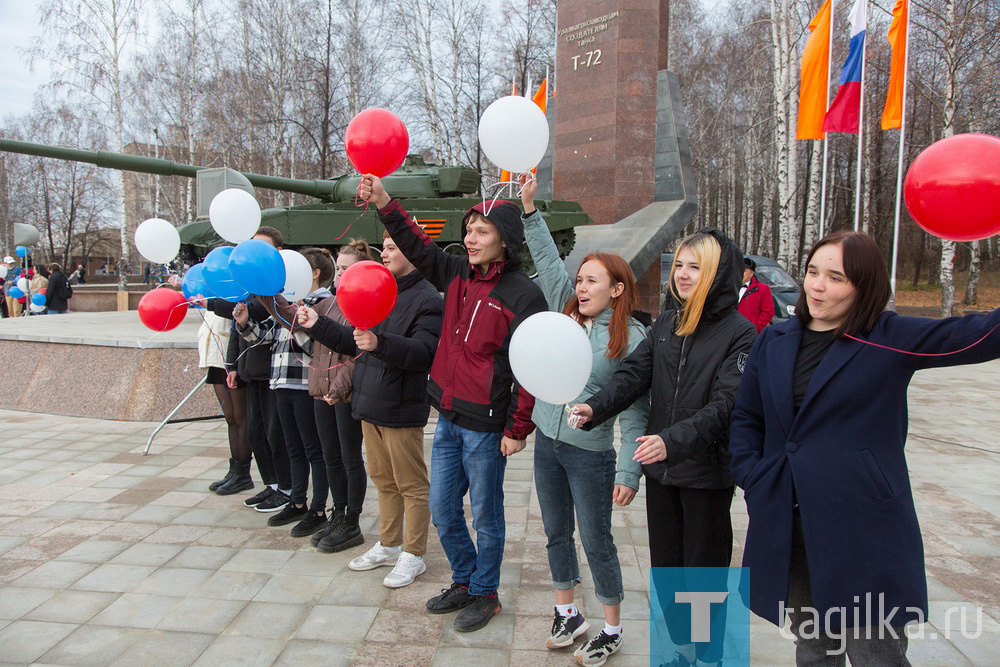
(484, 414)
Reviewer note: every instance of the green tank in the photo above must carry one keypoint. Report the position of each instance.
(437, 196)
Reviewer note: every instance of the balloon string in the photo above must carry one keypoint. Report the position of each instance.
(504, 185)
(925, 354)
(291, 329)
(356, 205)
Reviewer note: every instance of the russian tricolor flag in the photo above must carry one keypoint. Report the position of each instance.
(844, 113)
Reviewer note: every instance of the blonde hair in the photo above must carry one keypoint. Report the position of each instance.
(707, 253)
(357, 248)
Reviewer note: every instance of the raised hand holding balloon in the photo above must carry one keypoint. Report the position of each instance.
(952, 189)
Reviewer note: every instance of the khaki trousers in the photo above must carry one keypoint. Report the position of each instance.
(396, 465)
(13, 307)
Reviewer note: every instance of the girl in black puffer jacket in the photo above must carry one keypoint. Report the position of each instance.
(691, 363)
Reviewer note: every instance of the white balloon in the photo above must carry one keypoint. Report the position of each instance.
(514, 134)
(22, 284)
(551, 357)
(235, 215)
(35, 308)
(298, 275)
(157, 240)
(3, 271)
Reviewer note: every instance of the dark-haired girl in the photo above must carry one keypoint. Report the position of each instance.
(817, 444)
(577, 472)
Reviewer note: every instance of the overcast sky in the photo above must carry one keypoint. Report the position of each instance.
(18, 24)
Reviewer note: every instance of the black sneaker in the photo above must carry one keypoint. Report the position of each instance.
(451, 599)
(478, 613)
(290, 514)
(565, 629)
(597, 651)
(259, 498)
(273, 503)
(309, 524)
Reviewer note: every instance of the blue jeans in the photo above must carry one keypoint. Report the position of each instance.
(464, 461)
(572, 480)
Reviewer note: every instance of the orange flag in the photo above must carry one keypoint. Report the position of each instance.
(541, 98)
(815, 77)
(892, 116)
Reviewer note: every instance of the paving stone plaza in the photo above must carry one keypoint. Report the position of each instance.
(111, 558)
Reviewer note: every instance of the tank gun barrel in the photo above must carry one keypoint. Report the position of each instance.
(149, 165)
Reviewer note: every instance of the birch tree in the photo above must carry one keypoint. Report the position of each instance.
(85, 43)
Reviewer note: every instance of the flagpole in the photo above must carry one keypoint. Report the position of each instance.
(829, 66)
(861, 127)
(899, 166)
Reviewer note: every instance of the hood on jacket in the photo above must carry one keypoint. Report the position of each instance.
(506, 217)
(725, 291)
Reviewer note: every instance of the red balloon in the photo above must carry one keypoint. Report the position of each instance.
(366, 294)
(376, 142)
(952, 189)
(162, 309)
(42, 291)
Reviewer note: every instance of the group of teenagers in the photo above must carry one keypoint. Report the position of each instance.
(808, 417)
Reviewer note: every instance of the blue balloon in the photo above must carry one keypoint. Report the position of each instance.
(219, 279)
(15, 292)
(38, 299)
(194, 284)
(258, 267)
(22, 251)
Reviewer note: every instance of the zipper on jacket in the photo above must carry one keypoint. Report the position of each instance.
(469, 330)
(677, 380)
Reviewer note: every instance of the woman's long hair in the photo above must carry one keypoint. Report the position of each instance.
(621, 306)
(707, 252)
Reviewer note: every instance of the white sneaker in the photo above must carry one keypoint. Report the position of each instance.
(408, 568)
(597, 651)
(377, 556)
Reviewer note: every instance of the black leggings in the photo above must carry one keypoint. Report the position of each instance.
(266, 439)
(305, 454)
(341, 436)
(234, 407)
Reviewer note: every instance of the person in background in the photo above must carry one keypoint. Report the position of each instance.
(691, 363)
(577, 475)
(39, 282)
(756, 302)
(59, 292)
(484, 415)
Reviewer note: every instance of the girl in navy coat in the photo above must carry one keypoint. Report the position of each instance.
(817, 444)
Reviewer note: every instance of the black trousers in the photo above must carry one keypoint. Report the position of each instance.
(267, 442)
(305, 454)
(341, 436)
(690, 528)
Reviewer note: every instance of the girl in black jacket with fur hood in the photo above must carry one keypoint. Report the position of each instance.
(691, 363)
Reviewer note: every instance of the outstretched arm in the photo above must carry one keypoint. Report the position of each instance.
(435, 265)
(557, 286)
